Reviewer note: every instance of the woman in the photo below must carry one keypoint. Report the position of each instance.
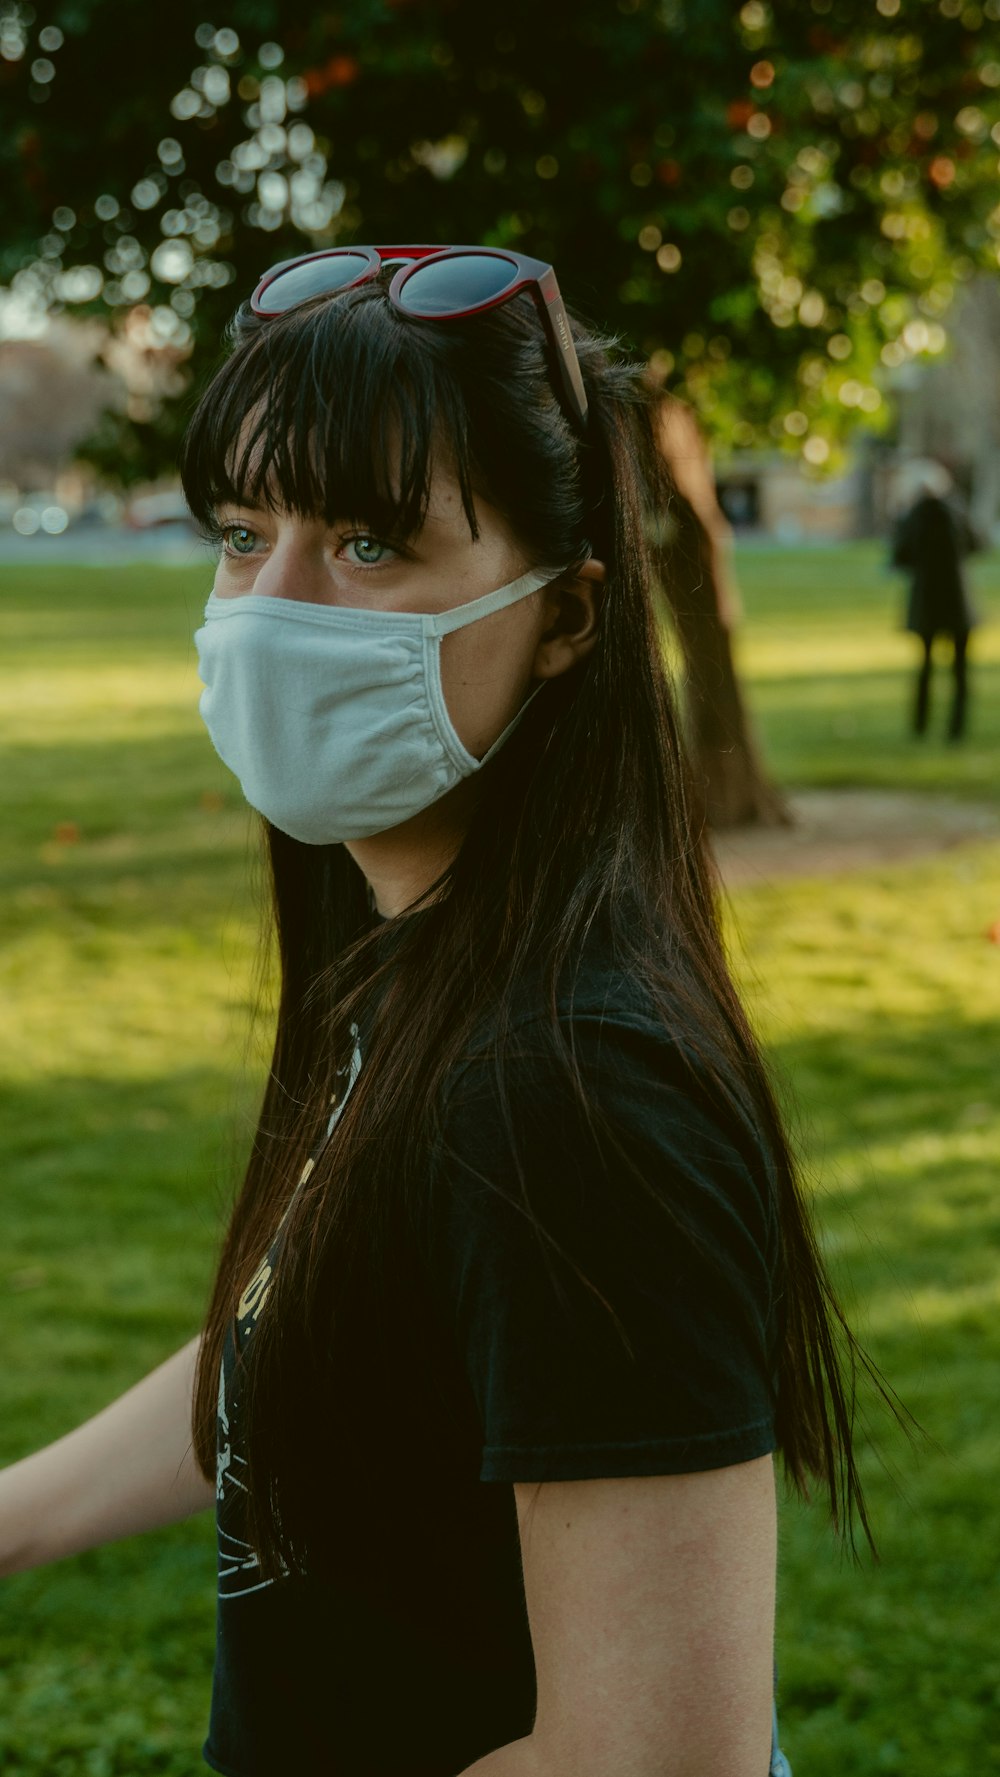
(519, 1295)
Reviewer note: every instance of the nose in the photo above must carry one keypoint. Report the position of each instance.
(294, 569)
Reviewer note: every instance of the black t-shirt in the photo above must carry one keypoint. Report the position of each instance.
(422, 1674)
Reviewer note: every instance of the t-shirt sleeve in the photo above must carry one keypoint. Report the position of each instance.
(665, 1205)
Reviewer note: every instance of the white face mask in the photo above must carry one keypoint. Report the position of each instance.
(334, 719)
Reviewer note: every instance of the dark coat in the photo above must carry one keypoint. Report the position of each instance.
(929, 542)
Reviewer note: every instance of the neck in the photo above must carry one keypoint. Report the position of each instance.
(403, 864)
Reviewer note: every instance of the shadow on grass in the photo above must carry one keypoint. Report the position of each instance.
(116, 1197)
(106, 1659)
(104, 611)
(134, 783)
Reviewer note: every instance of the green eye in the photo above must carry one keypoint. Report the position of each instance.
(239, 539)
(368, 550)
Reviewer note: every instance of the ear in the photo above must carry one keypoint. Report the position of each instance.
(572, 615)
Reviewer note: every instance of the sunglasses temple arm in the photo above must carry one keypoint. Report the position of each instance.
(557, 323)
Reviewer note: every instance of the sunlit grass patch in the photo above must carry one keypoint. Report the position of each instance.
(878, 995)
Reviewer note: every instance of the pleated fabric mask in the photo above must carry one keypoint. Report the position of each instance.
(334, 718)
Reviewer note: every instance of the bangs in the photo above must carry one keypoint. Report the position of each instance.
(339, 409)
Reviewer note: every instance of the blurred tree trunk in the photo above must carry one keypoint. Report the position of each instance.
(692, 542)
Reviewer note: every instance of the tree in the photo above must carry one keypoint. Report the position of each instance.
(693, 552)
(779, 201)
(773, 204)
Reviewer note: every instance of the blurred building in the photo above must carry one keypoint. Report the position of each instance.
(948, 410)
(951, 409)
(56, 383)
(766, 493)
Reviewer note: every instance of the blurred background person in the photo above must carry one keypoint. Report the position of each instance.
(932, 536)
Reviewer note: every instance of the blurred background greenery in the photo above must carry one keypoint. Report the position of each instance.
(776, 203)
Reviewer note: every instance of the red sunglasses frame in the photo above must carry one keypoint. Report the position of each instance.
(533, 275)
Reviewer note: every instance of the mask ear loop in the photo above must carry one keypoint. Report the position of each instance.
(522, 712)
(519, 589)
(444, 623)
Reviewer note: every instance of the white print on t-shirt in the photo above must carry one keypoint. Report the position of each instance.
(224, 1456)
(237, 1561)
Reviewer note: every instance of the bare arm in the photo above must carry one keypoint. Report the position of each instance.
(651, 1607)
(129, 1468)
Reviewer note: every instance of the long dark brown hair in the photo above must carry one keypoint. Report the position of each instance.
(343, 408)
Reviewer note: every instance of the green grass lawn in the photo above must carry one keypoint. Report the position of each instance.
(128, 1078)
(831, 672)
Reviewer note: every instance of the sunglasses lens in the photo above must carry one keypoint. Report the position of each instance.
(316, 277)
(450, 285)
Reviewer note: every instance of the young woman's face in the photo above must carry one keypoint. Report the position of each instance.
(487, 668)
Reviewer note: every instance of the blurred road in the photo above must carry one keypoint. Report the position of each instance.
(107, 545)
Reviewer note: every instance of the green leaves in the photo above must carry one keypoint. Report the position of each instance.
(771, 147)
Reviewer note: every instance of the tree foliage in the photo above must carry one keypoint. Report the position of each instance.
(775, 203)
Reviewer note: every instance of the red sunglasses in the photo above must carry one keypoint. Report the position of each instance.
(434, 284)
